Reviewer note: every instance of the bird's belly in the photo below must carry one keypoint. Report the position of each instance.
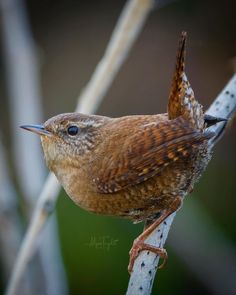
(144, 200)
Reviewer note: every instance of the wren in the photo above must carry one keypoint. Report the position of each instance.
(138, 167)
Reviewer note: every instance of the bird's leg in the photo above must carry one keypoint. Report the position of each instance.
(139, 244)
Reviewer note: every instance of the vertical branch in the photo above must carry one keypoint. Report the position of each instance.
(145, 266)
(9, 220)
(25, 105)
(24, 94)
(126, 32)
(10, 223)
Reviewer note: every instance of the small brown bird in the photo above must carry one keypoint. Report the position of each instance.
(137, 167)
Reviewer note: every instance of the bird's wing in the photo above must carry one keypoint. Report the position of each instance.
(145, 153)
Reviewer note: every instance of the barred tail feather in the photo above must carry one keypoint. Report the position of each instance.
(182, 101)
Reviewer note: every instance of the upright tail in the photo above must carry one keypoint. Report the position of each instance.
(181, 100)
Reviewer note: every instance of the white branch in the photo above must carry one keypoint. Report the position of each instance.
(144, 270)
(145, 266)
(126, 32)
(223, 106)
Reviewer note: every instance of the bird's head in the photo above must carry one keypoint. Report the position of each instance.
(68, 137)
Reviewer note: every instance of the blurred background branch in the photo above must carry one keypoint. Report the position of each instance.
(11, 229)
(22, 76)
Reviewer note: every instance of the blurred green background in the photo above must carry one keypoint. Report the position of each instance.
(71, 37)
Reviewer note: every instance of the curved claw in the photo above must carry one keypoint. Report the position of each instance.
(139, 246)
(164, 257)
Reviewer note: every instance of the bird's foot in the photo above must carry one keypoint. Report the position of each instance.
(139, 246)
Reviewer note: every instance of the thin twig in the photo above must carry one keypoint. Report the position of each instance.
(144, 270)
(126, 32)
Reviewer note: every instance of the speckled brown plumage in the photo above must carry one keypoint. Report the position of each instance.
(135, 166)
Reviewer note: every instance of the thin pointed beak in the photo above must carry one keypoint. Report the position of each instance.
(38, 129)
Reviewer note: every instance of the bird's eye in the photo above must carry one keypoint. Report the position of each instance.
(73, 130)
